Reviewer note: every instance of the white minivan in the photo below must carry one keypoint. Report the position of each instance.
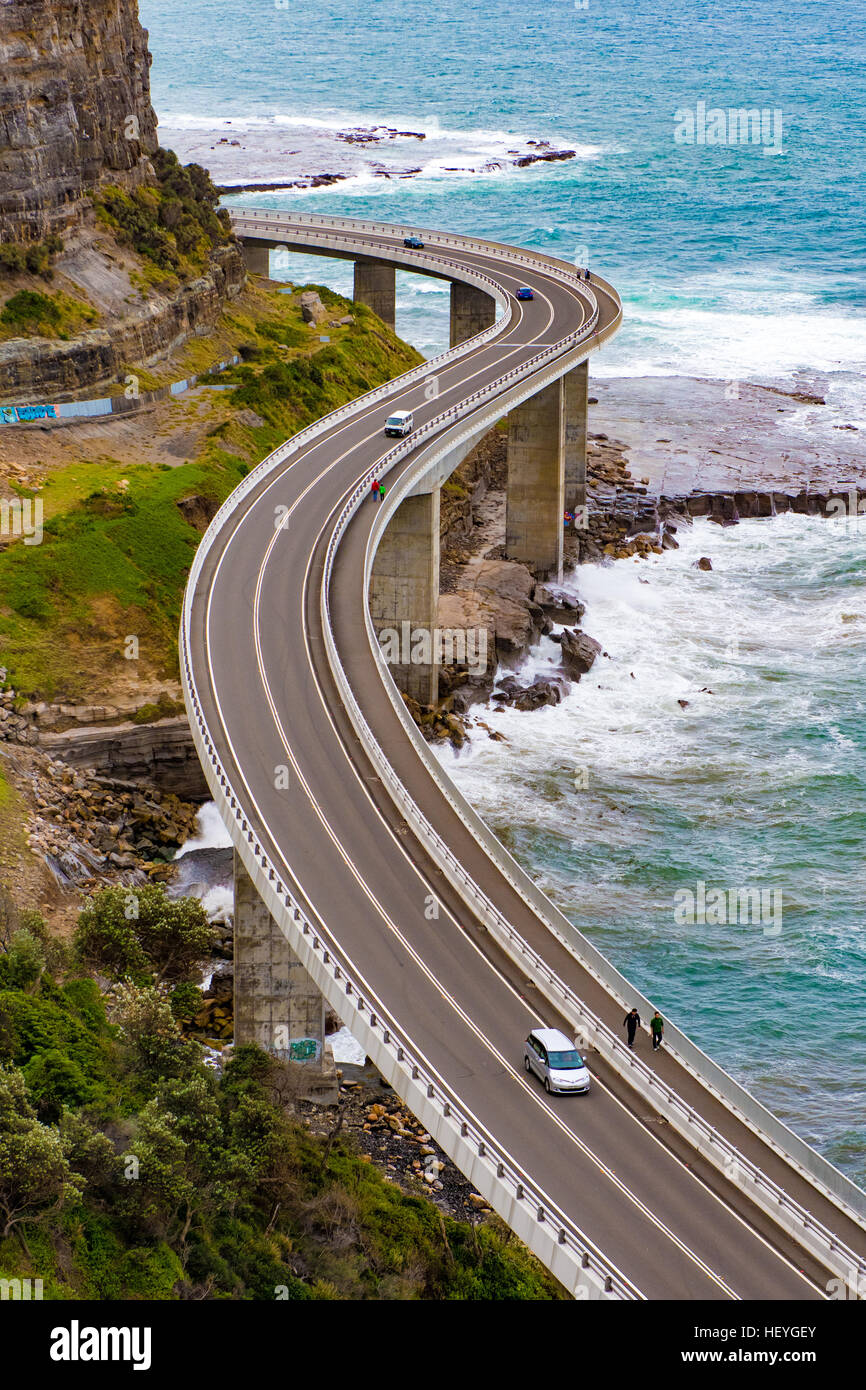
(401, 422)
(555, 1060)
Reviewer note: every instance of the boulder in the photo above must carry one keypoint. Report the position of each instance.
(579, 651)
(544, 690)
(705, 563)
(558, 605)
(312, 308)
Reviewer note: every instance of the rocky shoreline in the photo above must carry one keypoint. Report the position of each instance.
(246, 157)
(626, 518)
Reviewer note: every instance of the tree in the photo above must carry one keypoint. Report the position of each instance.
(135, 932)
(151, 1035)
(56, 1082)
(36, 1180)
(25, 961)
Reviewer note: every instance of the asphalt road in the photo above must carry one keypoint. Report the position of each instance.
(671, 1224)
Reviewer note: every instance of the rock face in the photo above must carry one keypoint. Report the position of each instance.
(74, 109)
(37, 367)
(161, 754)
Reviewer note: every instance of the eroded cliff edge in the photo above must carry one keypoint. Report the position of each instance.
(111, 256)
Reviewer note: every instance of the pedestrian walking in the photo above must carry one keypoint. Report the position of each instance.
(657, 1028)
(632, 1023)
(374, 489)
(381, 492)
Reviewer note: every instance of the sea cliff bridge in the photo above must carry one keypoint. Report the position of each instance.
(364, 879)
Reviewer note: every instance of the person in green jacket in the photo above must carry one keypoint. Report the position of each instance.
(657, 1028)
(381, 492)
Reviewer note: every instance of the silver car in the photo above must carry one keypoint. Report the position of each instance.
(555, 1060)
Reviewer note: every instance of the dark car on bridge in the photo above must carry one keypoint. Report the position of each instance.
(525, 292)
(414, 243)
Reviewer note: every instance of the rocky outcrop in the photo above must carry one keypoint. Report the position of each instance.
(93, 830)
(38, 368)
(544, 690)
(74, 109)
(579, 651)
(161, 754)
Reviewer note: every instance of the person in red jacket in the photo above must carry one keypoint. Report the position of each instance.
(374, 489)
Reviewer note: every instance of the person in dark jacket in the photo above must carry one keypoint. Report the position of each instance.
(632, 1023)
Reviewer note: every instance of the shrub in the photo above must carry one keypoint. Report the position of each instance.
(30, 309)
(127, 932)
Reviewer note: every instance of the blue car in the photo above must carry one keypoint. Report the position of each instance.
(525, 292)
(414, 243)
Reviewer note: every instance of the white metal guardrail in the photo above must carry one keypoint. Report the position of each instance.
(767, 1194)
(718, 1149)
(567, 1252)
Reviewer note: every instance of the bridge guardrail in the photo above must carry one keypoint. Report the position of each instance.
(709, 1141)
(810, 1231)
(568, 1253)
(764, 1191)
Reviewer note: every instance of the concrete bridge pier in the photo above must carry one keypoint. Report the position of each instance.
(536, 481)
(375, 287)
(276, 1003)
(258, 258)
(472, 310)
(576, 406)
(404, 595)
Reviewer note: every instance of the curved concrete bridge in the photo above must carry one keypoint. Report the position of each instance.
(364, 877)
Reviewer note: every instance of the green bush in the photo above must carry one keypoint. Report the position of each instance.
(30, 309)
(142, 932)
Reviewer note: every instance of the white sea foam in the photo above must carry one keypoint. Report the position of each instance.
(211, 833)
(282, 146)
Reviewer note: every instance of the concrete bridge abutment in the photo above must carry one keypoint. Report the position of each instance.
(472, 310)
(375, 286)
(404, 595)
(276, 1004)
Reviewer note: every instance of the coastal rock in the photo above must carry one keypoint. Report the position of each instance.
(704, 563)
(558, 605)
(544, 690)
(579, 651)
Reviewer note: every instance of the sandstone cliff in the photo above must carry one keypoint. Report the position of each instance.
(74, 108)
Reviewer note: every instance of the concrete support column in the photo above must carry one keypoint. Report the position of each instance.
(576, 389)
(472, 310)
(536, 482)
(404, 596)
(374, 286)
(276, 1003)
(258, 258)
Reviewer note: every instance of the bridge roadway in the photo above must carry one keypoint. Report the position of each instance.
(669, 1221)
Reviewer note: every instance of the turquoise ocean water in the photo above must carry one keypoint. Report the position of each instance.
(733, 263)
